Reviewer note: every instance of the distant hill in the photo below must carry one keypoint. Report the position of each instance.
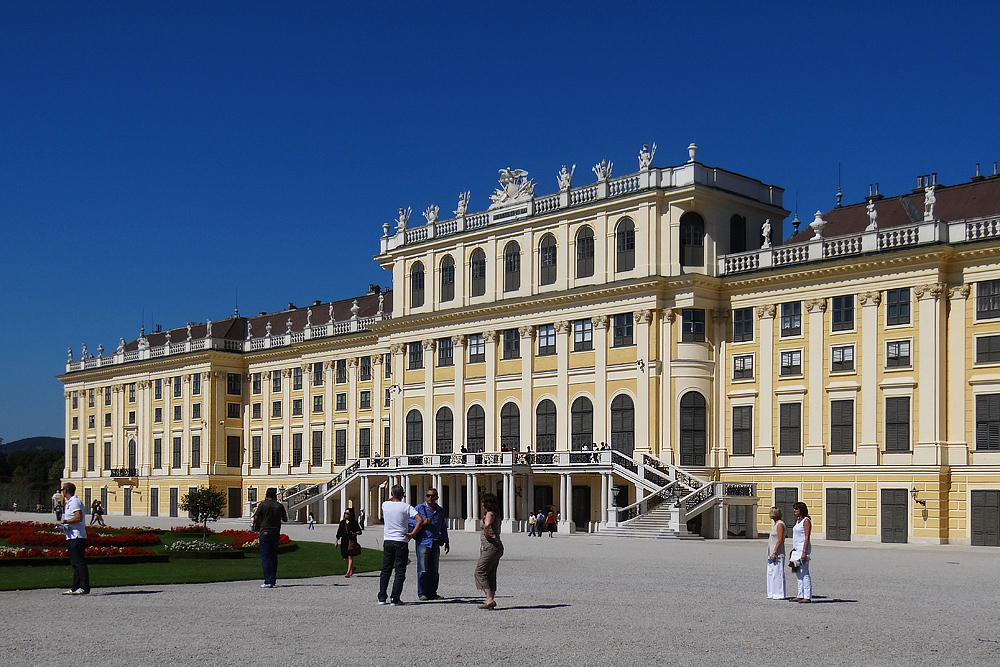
(38, 442)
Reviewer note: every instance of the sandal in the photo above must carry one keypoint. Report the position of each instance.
(805, 600)
(488, 605)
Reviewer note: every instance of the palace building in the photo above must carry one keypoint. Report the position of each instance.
(641, 353)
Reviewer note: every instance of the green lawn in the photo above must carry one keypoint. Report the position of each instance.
(311, 559)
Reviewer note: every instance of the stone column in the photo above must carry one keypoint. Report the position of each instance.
(352, 408)
(644, 369)
(764, 451)
(378, 403)
(603, 514)
(958, 447)
(928, 413)
(507, 503)
(600, 324)
(814, 451)
(720, 325)
(866, 359)
(567, 525)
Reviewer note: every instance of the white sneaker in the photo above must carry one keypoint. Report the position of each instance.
(267, 585)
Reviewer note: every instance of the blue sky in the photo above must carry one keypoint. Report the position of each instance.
(158, 158)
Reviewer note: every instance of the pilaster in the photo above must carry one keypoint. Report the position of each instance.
(491, 397)
(527, 333)
(600, 324)
(814, 452)
(563, 343)
(958, 447)
(764, 451)
(928, 449)
(460, 358)
(666, 441)
(867, 360)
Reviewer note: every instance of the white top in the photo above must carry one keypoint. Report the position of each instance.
(396, 514)
(799, 536)
(76, 530)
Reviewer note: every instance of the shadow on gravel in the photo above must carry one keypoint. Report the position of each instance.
(532, 606)
(820, 599)
(131, 593)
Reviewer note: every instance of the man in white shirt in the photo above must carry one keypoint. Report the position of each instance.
(396, 515)
(76, 539)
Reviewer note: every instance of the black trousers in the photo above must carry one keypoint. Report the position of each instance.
(81, 576)
(394, 556)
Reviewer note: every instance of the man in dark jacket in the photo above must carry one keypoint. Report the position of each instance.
(268, 518)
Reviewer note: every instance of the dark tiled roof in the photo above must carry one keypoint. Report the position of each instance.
(954, 202)
(235, 328)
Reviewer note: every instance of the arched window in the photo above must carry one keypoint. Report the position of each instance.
(694, 426)
(737, 234)
(444, 433)
(510, 427)
(512, 267)
(623, 425)
(131, 453)
(585, 253)
(475, 429)
(414, 432)
(545, 426)
(582, 423)
(417, 285)
(692, 240)
(447, 279)
(547, 260)
(478, 270)
(625, 244)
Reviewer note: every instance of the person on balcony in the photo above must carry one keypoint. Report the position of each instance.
(776, 557)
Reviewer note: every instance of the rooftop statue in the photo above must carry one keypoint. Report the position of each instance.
(646, 156)
(404, 217)
(565, 178)
(603, 170)
(929, 200)
(872, 216)
(121, 346)
(463, 203)
(514, 186)
(208, 328)
(765, 231)
(431, 214)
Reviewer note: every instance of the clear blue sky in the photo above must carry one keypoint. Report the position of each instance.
(156, 157)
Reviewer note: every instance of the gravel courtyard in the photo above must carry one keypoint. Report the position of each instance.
(568, 600)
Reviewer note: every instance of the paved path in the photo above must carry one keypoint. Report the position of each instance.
(568, 600)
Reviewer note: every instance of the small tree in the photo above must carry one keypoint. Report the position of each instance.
(204, 504)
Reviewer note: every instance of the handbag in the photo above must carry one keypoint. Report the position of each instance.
(353, 548)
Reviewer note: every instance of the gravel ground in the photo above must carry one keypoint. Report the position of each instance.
(568, 600)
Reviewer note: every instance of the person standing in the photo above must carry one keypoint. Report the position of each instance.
(268, 517)
(57, 504)
(347, 532)
(802, 548)
(532, 519)
(433, 536)
(540, 523)
(776, 557)
(75, 528)
(490, 551)
(396, 515)
(550, 522)
(361, 519)
(312, 521)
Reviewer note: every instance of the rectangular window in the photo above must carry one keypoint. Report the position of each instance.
(388, 398)
(75, 457)
(841, 427)
(276, 449)
(743, 367)
(76, 423)
(255, 451)
(843, 313)
(157, 389)
(177, 386)
(742, 430)
(742, 325)
(842, 358)
(446, 352)
(511, 344)
(477, 349)
(340, 454)
(234, 384)
(340, 371)
(897, 354)
(317, 448)
(256, 383)
(317, 373)
(157, 415)
(276, 409)
(131, 393)
(622, 330)
(791, 362)
(386, 440)
(365, 369)
(107, 420)
(897, 307)
(177, 413)
(296, 449)
(195, 411)
(296, 407)
(90, 456)
(583, 335)
(693, 325)
(255, 408)
(364, 443)
(196, 384)
(897, 424)
(131, 417)
(365, 400)
(90, 398)
(387, 365)
(107, 455)
(76, 400)
(275, 382)
(790, 425)
(157, 453)
(341, 401)
(988, 422)
(175, 454)
(233, 410)
(416, 355)
(297, 378)
(791, 319)
(987, 349)
(546, 339)
(90, 421)
(107, 396)
(987, 299)
(317, 404)
(196, 451)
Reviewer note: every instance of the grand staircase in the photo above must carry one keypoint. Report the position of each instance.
(654, 524)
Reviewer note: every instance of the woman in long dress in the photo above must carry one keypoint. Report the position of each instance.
(490, 551)
(347, 532)
(776, 557)
(802, 545)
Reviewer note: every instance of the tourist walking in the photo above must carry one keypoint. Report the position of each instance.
(312, 521)
(490, 551)
(96, 513)
(361, 519)
(347, 538)
(550, 522)
(73, 525)
(267, 521)
(540, 523)
(430, 539)
(776, 557)
(802, 551)
(396, 515)
(532, 520)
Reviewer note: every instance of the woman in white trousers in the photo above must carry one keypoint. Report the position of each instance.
(776, 557)
(802, 544)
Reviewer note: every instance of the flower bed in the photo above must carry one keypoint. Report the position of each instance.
(199, 549)
(44, 556)
(192, 528)
(33, 534)
(248, 538)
